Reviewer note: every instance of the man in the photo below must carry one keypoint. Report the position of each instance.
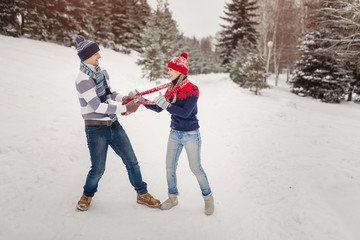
(102, 127)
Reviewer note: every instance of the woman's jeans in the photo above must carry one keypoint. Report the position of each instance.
(99, 138)
(192, 143)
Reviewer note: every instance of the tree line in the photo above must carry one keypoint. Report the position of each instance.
(121, 25)
(112, 23)
(329, 52)
(315, 40)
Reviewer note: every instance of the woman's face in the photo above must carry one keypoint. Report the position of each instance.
(173, 74)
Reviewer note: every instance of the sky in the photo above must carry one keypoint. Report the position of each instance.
(199, 18)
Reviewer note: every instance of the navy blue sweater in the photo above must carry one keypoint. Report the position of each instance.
(183, 111)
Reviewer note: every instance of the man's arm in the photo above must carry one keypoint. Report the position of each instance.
(86, 90)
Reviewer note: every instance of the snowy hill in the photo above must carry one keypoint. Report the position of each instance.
(280, 166)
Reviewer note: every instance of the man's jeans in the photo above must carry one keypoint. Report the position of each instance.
(192, 143)
(99, 138)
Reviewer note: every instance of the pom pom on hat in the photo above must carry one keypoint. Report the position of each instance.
(85, 48)
(179, 64)
(184, 55)
(79, 39)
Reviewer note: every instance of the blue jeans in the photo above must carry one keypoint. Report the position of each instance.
(99, 138)
(192, 143)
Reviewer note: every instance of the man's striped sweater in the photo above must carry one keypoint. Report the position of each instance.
(91, 106)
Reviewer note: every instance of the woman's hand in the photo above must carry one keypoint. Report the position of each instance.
(161, 101)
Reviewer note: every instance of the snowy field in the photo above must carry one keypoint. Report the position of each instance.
(281, 167)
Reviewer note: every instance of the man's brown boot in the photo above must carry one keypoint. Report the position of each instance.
(84, 203)
(148, 200)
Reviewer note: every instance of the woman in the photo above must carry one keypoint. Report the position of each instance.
(184, 131)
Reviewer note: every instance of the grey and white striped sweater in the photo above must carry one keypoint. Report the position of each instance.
(91, 106)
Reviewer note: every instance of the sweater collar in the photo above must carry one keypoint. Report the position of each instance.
(175, 81)
(92, 67)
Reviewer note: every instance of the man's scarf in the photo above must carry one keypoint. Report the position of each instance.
(102, 89)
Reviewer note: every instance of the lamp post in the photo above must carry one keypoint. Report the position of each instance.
(270, 44)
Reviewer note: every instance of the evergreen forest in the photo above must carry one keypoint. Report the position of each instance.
(314, 42)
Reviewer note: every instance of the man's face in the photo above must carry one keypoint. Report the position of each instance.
(93, 60)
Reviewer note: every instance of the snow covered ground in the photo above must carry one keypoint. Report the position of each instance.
(280, 166)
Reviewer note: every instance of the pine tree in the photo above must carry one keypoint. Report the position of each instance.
(238, 60)
(202, 59)
(210, 60)
(247, 67)
(78, 12)
(192, 47)
(255, 73)
(240, 15)
(54, 20)
(320, 73)
(101, 29)
(60, 24)
(317, 72)
(345, 21)
(33, 25)
(119, 17)
(161, 42)
(140, 11)
(115, 24)
(10, 19)
(128, 19)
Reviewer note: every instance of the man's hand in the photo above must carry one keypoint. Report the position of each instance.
(132, 107)
(125, 99)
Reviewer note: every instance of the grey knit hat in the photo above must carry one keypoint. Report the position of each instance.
(85, 48)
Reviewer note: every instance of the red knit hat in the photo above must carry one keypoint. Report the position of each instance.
(179, 64)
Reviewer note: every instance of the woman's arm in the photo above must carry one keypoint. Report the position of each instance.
(155, 107)
(186, 110)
